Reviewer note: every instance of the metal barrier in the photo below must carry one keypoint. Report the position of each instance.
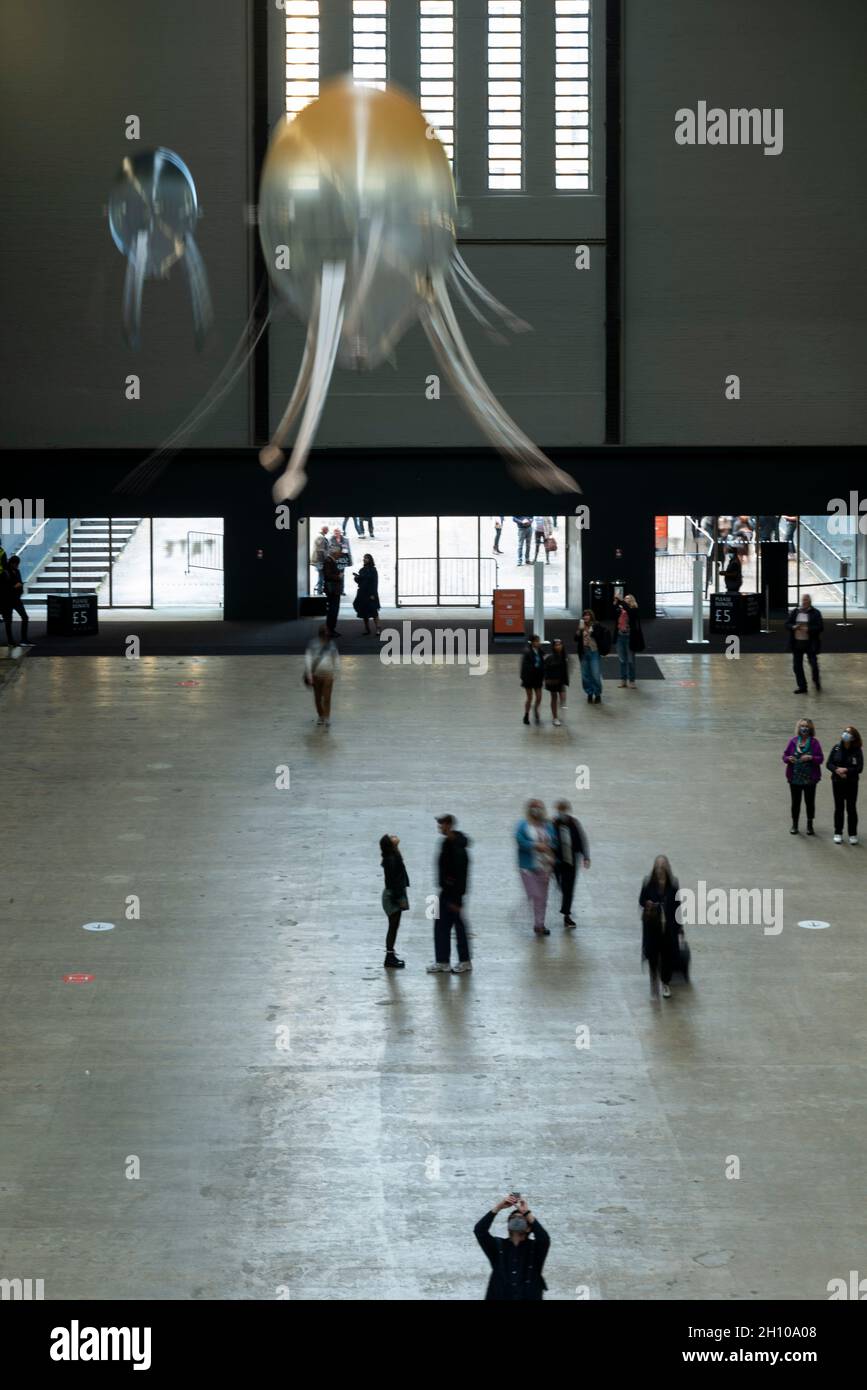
(450, 581)
(204, 551)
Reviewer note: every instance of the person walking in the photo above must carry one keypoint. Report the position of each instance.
(806, 625)
(498, 531)
(788, 525)
(13, 600)
(557, 677)
(359, 529)
(803, 758)
(321, 665)
(845, 764)
(366, 601)
(394, 899)
(532, 677)
(733, 575)
(516, 1261)
(661, 932)
(629, 638)
(369, 520)
(452, 873)
(332, 581)
(536, 840)
(317, 557)
(571, 850)
(542, 534)
(593, 641)
(525, 530)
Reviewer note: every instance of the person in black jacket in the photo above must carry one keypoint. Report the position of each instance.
(660, 929)
(532, 677)
(366, 601)
(733, 574)
(845, 764)
(806, 625)
(570, 851)
(452, 871)
(628, 637)
(516, 1262)
(557, 677)
(394, 899)
(593, 641)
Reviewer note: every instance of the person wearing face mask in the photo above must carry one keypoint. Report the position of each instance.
(394, 899)
(557, 678)
(517, 1260)
(536, 842)
(845, 764)
(803, 758)
(593, 641)
(805, 624)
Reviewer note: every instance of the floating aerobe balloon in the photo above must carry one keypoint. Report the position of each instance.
(152, 213)
(357, 221)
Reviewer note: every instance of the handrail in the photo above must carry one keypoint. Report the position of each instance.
(821, 539)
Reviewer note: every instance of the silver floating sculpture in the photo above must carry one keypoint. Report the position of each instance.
(152, 214)
(357, 218)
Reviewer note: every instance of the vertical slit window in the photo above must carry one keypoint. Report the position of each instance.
(370, 43)
(302, 53)
(505, 95)
(572, 95)
(437, 69)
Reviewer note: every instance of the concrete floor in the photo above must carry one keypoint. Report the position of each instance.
(354, 1164)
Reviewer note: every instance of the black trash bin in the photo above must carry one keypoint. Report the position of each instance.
(601, 598)
(72, 615)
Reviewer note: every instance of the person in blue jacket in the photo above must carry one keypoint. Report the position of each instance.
(536, 840)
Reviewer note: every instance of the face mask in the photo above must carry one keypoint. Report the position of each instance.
(518, 1224)
(847, 738)
(803, 731)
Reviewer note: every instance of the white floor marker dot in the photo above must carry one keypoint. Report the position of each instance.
(98, 926)
(814, 926)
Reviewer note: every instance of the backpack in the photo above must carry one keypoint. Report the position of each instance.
(603, 640)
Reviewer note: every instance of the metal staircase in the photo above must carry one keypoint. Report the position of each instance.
(86, 554)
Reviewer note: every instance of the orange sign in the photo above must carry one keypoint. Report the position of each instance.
(509, 620)
(661, 531)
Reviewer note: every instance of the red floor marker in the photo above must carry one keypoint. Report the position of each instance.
(687, 682)
(77, 979)
(189, 682)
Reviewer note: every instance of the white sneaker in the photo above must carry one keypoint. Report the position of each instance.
(838, 839)
(462, 967)
(666, 992)
(556, 723)
(853, 839)
(437, 969)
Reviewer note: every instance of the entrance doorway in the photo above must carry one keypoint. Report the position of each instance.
(449, 561)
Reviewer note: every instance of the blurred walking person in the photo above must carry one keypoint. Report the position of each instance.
(525, 530)
(321, 665)
(317, 557)
(803, 758)
(660, 930)
(394, 899)
(845, 764)
(535, 838)
(453, 870)
(571, 851)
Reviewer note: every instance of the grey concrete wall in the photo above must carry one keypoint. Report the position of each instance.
(551, 380)
(70, 76)
(738, 262)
